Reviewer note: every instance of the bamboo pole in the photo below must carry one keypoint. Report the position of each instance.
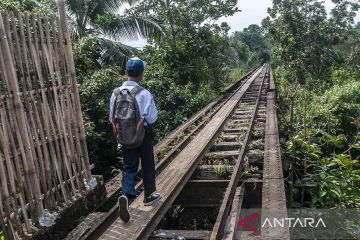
(43, 152)
(18, 60)
(33, 106)
(46, 47)
(70, 60)
(8, 33)
(44, 113)
(28, 205)
(63, 114)
(74, 143)
(10, 172)
(28, 190)
(9, 233)
(34, 133)
(20, 117)
(20, 179)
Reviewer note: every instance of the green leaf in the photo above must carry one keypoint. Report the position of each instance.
(323, 192)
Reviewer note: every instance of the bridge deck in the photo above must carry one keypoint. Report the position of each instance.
(273, 195)
(171, 181)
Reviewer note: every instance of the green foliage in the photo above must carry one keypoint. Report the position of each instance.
(325, 134)
(86, 53)
(18, 5)
(222, 171)
(329, 179)
(176, 103)
(100, 18)
(95, 92)
(250, 45)
(236, 74)
(96, 84)
(316, 63)
(337, 109)
(253, 37)
(192, 49)
(40, 6)
(180, 16)
(2, 237)
(303, 36)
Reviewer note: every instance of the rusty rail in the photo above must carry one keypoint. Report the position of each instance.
(198, 120)
(224, 139)
(235, 178)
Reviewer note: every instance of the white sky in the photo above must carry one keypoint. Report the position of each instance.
(252, 12)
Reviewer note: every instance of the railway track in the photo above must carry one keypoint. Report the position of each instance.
(168, 147)
(207, 169)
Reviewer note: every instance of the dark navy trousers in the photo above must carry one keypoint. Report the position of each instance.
(131, 164)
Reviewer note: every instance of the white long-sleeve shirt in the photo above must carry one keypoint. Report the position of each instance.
(145, 102)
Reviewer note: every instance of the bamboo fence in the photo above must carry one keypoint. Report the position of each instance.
(43, 153)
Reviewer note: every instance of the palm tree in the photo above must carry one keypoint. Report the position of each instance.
(102, 18)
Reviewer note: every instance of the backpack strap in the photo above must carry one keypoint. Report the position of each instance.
(136, 90)
(117, 92)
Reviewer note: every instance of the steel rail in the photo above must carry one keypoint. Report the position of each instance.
(192, 154)
(218, 228)
(233, 87)
(171, 137)
(112, 215)
(273, 200)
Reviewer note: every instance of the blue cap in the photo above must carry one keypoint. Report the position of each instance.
(135, 65)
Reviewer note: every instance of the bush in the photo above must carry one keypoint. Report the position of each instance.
(95, 92)
(321, 144)
(323, 174)
(338, 109)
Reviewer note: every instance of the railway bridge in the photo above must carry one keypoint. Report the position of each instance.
(221, 169)
(220, 173)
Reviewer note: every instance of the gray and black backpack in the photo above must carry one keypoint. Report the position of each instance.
(130, 129)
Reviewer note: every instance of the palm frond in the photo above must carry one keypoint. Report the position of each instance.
(107, 6)
(130, 28)
(77, 9)
(115, 53)
(73, 27)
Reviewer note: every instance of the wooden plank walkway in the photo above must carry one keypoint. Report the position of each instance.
(273, 194)
(172, 179)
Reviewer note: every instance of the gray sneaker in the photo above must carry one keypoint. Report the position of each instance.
(154, 197)
(124, 208)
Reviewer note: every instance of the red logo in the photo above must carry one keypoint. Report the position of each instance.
(252, 220)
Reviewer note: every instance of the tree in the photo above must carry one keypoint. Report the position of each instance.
(193, 49)
(253, 37)
(40, 6)
(101, 18)
(251, 45)
(316, 67)
(98, 18)
(303, 37)
(178, 16)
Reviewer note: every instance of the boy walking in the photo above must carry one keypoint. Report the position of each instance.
(132, 111)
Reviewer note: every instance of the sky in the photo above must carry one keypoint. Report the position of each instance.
(252, 12)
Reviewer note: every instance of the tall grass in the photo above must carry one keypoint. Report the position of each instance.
(235, 74)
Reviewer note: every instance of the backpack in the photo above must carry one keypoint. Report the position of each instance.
(129, 124)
